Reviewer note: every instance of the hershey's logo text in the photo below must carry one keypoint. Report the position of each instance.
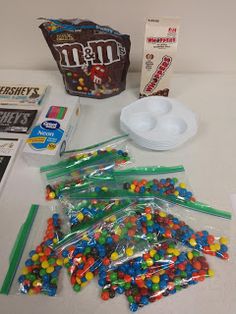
(96, 52)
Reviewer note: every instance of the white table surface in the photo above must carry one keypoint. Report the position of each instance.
(209, 159)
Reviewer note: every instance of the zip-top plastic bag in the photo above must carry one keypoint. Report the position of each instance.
(123, 234)
(34, 266)
(165, 269)
(83, 208)
(152, 181)
(79, 164)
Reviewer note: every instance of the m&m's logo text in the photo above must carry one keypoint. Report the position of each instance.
(50, 125)
(158, 74)
(97, 52)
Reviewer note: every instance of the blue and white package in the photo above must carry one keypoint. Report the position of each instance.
(49, 137)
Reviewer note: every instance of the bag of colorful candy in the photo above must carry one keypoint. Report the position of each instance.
(110, 189)
(34, 266)
(78, 165)
(151, 181)
(122, 234)
(84, 208)
(163, 270)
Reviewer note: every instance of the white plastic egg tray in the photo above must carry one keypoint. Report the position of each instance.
(158, 123)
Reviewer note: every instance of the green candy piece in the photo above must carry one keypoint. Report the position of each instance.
(102, 240)
(67, 265)
(155, 287)
(30, 277)
(177, 281)
(42, 272)
(156, 257)
(54, 281)
(150, 223)
(113, 276)
(178, 287)
(77, 287)
(120, 282)
(183, 274)
(195, 253)
(127, 285)
(130, 299)
(172, 245)
(87, 250)
(51, 261)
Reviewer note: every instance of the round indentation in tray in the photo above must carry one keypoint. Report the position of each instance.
(158, 106)
(173, 126)
(141, 121)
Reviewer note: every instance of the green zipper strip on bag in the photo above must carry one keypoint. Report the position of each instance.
(18, 249)
(196, 206)
(96, 145)
(138, 171)
(60, 172)
(149, 170)
(68, 162)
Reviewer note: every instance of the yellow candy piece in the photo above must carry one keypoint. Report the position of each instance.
(149, 216)
(118, 231)
(162, 214)
(41, 254)
(132, 187)
(152, 252)
(85, 237)
(109, 149)
(59, 262)
(114, 256)
(143, 277)
(37, 283)
(224, 240)
(170, 250)
(31, 292)
(192, 242)
(45, 264)
(104, 189)
(79, 88)
(190, 255)
(55, 240)
(35, 257)
(155, 279)
(176, 252)
(213, 248)
(84, 284)
(149, 262)
(176, 193)
(161, 272)
(182, 185)
(80, 216)
(211, 273)
(129, 251)
(95, 153)
(50, 269)
(53, 28)
(81, 79)
(89, 276)
(217, 246)
(78, 280)
(52, 195)
(24, 271)
(66, 260)
(112, 218)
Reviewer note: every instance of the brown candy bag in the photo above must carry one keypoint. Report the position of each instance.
(92, 59)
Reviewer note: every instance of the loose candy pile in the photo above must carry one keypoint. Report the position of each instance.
(41, 270)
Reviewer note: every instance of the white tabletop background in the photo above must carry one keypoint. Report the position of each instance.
(209, 159)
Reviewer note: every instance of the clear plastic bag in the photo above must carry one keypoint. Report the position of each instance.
(122, 235)
(165, 269)
(34, 266)
(151, 181)
(83, 208)
(80, 165)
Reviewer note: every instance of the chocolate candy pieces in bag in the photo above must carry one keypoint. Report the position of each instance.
(92, 59)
